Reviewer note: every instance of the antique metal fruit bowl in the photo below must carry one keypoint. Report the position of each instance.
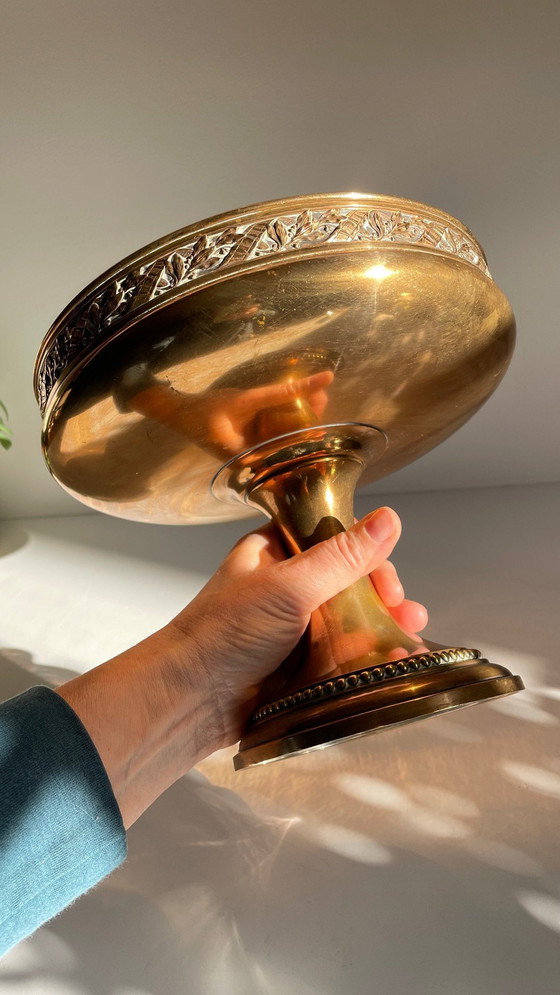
(269, 360)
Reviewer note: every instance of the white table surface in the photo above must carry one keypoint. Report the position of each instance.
(423, 860)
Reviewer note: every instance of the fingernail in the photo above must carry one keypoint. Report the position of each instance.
(381, 525)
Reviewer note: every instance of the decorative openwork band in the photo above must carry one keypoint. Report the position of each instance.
(364, 678)
(207, 253)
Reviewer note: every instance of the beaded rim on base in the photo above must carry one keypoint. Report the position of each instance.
(363, 678)
(330, 731)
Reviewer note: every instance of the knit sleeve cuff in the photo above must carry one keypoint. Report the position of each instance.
(61, 830)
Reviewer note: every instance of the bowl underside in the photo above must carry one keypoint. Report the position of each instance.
(407, 337)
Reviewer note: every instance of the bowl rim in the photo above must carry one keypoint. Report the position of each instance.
(412, 215)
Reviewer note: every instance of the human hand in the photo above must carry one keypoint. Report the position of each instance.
(227, 420)
(256, 607)
(157, 709)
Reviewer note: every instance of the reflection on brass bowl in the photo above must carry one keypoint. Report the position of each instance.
(269, 360)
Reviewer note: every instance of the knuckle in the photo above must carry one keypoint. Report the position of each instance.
(291, 389)
(348, 549)
(277, 597)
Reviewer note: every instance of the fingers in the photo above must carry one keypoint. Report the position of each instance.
(258, 549)
(318, 401)
(263, 548)
(279, 393)
(410, 615)
(387, 584)
(312, 577)
(317, 381)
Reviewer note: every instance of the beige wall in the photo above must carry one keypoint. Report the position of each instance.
(123, 120)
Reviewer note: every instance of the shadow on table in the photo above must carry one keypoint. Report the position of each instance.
(12, 538)
(294, 882)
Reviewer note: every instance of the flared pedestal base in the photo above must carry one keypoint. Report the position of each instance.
(370, 700)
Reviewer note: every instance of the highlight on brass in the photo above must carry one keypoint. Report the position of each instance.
(268, 361)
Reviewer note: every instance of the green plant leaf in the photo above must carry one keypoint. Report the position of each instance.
(5, 433)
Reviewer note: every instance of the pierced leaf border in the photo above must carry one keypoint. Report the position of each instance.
(101, 314)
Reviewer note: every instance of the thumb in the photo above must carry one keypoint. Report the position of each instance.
(312, 577)
(290, 390)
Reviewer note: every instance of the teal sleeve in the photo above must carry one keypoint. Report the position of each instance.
(60, 826)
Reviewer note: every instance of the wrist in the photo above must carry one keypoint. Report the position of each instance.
(216, 667)
(150, 720)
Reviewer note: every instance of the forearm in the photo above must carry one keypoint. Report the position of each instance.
(140, 721)
(150, 719)
(160, 707)
(78, 765)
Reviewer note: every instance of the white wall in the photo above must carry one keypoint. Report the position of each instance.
(127, 119)
(423, 860)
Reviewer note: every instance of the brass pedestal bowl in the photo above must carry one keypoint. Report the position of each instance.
(269, 360)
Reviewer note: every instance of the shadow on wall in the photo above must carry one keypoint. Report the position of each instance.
(12, 538)
(420, 860)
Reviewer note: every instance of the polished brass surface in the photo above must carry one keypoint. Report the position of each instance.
(269, 360)
(358, 716)
(307, 488)
(187, 353)
(350, 673)
(197, 255)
